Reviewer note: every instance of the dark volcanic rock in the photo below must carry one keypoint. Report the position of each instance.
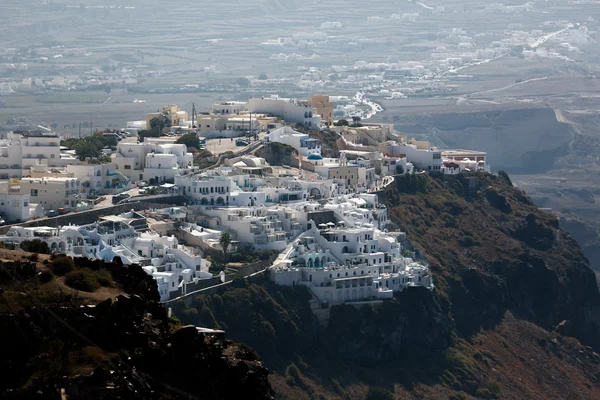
(415, 319)
(522, 262)
(126, 349)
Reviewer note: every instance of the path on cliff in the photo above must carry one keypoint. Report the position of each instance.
(464, 98)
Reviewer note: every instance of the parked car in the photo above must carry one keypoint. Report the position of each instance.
(241, 142)
(62, 211)
(120, 197)
(51, 213)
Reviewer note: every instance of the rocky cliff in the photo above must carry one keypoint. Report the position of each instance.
(499, 253)
(278, 154)
(515, 312)
(516, 140)
(57, 341)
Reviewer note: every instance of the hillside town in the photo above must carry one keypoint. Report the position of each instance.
(269, 182)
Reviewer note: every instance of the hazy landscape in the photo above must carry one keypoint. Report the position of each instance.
(517, 79)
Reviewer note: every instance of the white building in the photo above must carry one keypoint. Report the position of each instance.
(99, 179)
(14, 206)
(171, 264)
(456, 161)
(261, 227)
(154, 160)
(290, 110)
(22, 150)
(225, 126)
(393, 164)
(229, 107)
(304, 144)
(53, 193)
(420, 154)
(206, 189)
(339, 264)
(350, 175)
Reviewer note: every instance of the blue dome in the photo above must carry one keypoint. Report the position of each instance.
(314, 156)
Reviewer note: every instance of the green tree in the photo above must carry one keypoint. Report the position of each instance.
(189, 140)
(225, 241)
(35, 246)
(242, 82)
(341, 122)
(144, 133)
(86, 148)
(156, 124)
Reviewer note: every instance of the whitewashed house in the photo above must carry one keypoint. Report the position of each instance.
(339, 264)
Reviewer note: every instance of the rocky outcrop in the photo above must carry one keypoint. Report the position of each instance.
(587, 234)
(414, 324)
(278, 154)
(521, 261)
(126, 348)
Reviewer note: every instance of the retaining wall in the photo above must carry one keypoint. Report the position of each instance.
(89, 216)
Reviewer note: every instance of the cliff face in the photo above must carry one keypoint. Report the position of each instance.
(123, 347)
(278, 154)
(514, 301)
(414, 325)
(493, 251)
(516, 140)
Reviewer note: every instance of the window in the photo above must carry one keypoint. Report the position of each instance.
(51, 155)
(34, 192)
(127, 167)
(25, 203)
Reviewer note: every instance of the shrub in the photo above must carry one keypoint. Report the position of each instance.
(35, 246)
(467, 241)
(45, 276)
(84, 280)
(493, 387)
(91, 355)
(290, 381)
(292, 370)
(379, 393)
(246, 352)
(337, 388)
(484, 393)
(103, 278)
(62, 265)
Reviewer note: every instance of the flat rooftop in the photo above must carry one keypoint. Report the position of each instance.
(458, 152)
